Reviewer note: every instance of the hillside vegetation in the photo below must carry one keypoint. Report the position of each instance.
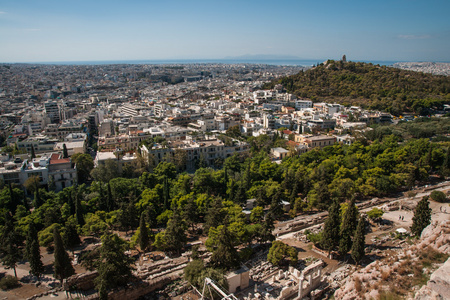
(370, 86)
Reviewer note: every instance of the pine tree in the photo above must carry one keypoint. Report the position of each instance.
(71, 236)
(215, 215)
(422, 216)
(175, 233)
(359, 241)
(143, 233)
(62, 265)
(348, 227)
(115, 269)
(330, 237)
(225, 255)
(11, 242)
(65, 152)
(268, 227)
(275, 206)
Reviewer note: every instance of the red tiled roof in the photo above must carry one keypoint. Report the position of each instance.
(55, 156)
(59, 161)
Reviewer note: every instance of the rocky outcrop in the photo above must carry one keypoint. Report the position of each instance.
(437, 236)
(438, 287)
(375, 278)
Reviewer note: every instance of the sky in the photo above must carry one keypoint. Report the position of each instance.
(98, 30)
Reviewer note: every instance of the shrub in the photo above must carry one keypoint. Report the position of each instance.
(375, 213)
(438, 196)
(315, 238)
(9, 282)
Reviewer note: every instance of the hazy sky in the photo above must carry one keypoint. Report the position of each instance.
(67, 30)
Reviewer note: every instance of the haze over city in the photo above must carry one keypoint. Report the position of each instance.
(51, 31)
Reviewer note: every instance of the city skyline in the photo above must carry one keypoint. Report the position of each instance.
(50, 31)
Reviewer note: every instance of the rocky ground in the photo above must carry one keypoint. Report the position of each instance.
(402, 273)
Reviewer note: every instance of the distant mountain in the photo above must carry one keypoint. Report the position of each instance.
(263, 57)
(371, 86)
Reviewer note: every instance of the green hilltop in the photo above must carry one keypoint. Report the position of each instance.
(370, 86)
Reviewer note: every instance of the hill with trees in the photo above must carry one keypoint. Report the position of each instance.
(371, 86)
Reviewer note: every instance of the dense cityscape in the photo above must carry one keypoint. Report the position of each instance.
(192, 181)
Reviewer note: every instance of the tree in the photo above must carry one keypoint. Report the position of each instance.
(268, 227)
(359, 241)
(71, 237)
(85, 164)
(438, 196)
(115, 268)
(215, 215)
(78, 209)
(422, 216)
(225, 254)
(348, 227)
(175, 235)
(33, 153)
(32, 183)
(375, 213)
(11, 243)
(65, 152)
(106, 171)
(32, 251)
(143, 233)
(279, 251)
(331, 228)
(62, 265)
(180, 159)
(193, 272)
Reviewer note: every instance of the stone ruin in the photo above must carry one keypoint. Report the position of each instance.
(307, 281)
(149, 277)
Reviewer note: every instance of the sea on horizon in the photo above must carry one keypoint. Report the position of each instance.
(278, 62)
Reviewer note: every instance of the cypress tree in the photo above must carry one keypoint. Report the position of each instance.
(225, 180)
(11, 242)
(65, 152)
(110, 202)
(33, 252)
(348, 227)
(330, 237)
(143, 233)
(25, 202)
(37, 199)
(422, 216)
(79, 211)
(63, 266)
(31, 236)
(33, 154)
(166, 193)
(359, 241)
(12, 202)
